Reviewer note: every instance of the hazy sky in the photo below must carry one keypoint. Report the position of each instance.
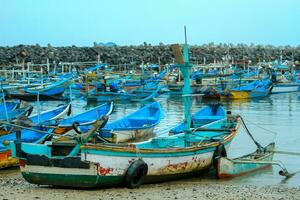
(126, 22)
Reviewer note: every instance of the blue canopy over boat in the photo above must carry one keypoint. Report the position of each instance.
(204, 116)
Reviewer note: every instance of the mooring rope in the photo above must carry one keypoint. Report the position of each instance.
(258, 126)
(248, 132)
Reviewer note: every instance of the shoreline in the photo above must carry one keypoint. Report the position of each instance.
(13, 186)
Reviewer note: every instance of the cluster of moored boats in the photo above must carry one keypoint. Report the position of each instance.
(56, 147)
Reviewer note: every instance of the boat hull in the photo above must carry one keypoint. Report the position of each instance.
(106, 170)
(228, 168)
(286, 88)
(247, 95)
(33, 97)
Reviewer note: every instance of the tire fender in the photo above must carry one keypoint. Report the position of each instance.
(76, 128)
(136, 173)
(219, 152)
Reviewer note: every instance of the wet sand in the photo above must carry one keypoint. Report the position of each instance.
(13, 186)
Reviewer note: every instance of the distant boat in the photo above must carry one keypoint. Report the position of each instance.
(284, 80)
(123, 96)
(286, 87)
(254, 89)
(135, 125)
(29, 135)
(204, 116)
(51, 91)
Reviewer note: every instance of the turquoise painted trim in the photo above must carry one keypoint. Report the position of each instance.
(147, 155)
(75, 151)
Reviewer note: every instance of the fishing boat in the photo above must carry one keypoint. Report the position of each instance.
(284, 80)
(14, 114)
(96, 164)
(30, 135)
(9, 106)
(51, 91)
(286, 87)
(205, 115)
(84, 119)
(254, 89)
(260, 159)
(122, 96)
(135, 125)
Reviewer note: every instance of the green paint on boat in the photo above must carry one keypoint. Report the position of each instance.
(69, 180)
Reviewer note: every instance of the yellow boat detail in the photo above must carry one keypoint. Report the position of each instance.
(6, 160)
(237, 95)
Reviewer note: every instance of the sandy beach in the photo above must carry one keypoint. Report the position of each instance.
(13, 186)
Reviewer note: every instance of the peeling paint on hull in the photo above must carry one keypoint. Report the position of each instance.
(110, 171)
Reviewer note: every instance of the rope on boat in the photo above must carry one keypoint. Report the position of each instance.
(248, 132)
(267, 130)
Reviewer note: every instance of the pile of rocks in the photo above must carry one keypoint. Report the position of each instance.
(145, 53)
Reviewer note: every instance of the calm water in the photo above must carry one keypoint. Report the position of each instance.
(274, 118)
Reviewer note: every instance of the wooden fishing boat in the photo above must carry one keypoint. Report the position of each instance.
(14, 114)
(135, 125)
(260, 159)
(255, 89)
(93, 164)
(9, 106)
(204, 116)
(286, 87)
(30, 135)
(53, 91)
(85, 119)
(122, 96)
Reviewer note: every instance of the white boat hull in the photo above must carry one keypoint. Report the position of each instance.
(285, 88)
